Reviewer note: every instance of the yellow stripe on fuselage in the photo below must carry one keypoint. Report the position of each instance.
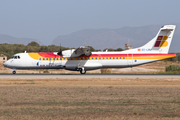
(35, 56)
(153, 57)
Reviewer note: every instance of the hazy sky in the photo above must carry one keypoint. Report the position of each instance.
(46, 19)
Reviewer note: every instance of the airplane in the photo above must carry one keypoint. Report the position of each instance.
(82, 59)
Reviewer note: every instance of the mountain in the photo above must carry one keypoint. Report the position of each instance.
(13, 40)
(104, 38)
(115, 38)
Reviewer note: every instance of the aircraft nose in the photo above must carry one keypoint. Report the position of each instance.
(5, 64)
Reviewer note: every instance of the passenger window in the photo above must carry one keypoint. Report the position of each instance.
(18, 57)
(123, 57)
(53, 58)
(96, 58)
(113, 57)
(39, 58)
(117, 58)
(50, 59)
(106, 58)
(92, 58)
(43, 58)
(15, 57)
(110, 58)
(99, 58)
(46, 58)
(103, 58)
(57, 59)
(120, 57)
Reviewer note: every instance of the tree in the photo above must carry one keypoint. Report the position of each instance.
(53, 48)
(33, 43)
(118, 49)
(91, 48)
(43, 49)
(109, 49)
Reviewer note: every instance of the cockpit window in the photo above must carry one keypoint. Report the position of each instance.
(15, 57)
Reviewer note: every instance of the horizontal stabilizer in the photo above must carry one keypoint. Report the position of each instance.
(167, 28)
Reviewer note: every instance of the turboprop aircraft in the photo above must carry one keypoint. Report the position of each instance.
(82, 59)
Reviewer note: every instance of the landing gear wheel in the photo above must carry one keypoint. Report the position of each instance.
(14, 72)
(82, 71)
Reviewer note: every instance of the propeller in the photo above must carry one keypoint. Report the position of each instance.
(60, 51)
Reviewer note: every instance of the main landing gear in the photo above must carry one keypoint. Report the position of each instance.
(82, 71)
(14, 71)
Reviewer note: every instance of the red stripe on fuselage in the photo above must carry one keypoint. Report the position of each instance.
(48, 55)
(125, 55)
(52, 55)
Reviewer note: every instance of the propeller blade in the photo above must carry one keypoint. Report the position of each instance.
(60, 51)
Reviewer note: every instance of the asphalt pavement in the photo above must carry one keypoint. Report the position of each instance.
(70, 76)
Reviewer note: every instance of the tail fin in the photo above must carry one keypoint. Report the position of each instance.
(161, 43)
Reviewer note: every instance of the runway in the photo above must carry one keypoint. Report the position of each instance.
(71, 76)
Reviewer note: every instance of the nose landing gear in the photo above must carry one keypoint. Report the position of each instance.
(14, 71)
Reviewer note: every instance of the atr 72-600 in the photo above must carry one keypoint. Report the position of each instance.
(82, 59)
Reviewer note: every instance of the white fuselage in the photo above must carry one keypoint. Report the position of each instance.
(95, 61)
